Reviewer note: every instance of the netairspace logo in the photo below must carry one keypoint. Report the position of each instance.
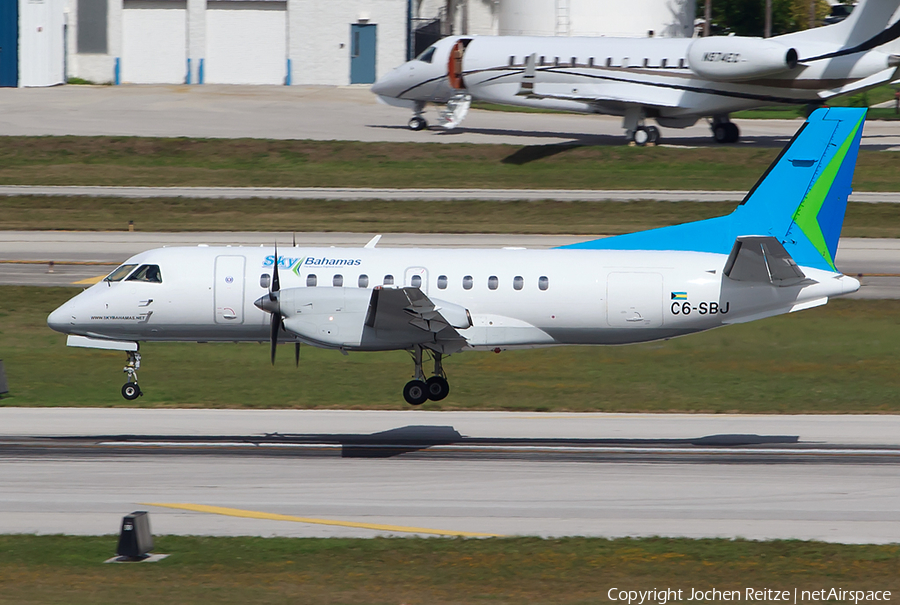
(295, 264)
(661, 596)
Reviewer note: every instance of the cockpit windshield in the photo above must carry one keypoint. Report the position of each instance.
(427, 55)
(147, 273)
(120, 273)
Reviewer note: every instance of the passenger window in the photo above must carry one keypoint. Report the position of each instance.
(543, 282)
(541, 62)
(518, 282)
(574, 61)
(337, 281)
(680, 63)
(609, 61)
(663, 63)
(416, 281)
(388, 280)
(512, 61)
(147, 273)
(120, 273)
(442, 282)
(363, 281)
(646, 62)
(311, 280)
(555, 61)
(467, 282)
(427, 55)
(591, 62)
(493, 282)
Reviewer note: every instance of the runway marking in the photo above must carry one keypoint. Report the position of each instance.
(251, 514)
(90, 281)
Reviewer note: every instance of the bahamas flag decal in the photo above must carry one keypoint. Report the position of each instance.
(821, 213)
(679, 295)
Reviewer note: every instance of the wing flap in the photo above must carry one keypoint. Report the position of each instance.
(407, 313)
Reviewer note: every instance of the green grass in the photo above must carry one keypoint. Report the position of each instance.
(836, 359)
(256, 162)
(373, 216)
(67, 569)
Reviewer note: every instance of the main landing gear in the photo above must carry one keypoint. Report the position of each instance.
(418, 390)
(637, 133)
(417, 122)
(131, 390)
(725, 131)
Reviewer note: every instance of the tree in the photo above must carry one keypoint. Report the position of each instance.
(748, 17)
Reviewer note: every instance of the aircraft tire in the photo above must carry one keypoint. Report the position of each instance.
(438, 388)
(720, 132)
(640, 136)
(415, 392)
(417, 123)
(653, 131)
(131, 391)
(733, 132)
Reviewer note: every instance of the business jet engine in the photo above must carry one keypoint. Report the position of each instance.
(734, 58)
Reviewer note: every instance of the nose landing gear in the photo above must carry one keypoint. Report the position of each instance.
(131, 390)
(418, 390)
(417, 122)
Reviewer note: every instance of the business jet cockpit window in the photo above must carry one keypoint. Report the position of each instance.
(147, 273)
(427, 55)
(120, 273)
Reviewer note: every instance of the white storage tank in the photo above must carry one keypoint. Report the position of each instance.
(637, 18)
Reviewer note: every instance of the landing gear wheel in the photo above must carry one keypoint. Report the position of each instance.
(733, 132)
(640, 136)
(653, 133)
(438, 388)
(720, 132)
(417, 123)
(131, 391)
(415, 392)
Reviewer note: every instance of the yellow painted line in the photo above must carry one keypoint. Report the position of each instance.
(251, 514)
(89, 281)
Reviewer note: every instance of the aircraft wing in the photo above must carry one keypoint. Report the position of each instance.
(606, 89)
(409, 311)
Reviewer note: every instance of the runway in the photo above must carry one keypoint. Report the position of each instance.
(80, 256)
(332, 113)
(354, 473)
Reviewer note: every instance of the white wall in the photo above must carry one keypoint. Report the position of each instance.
(154, 41)
(246, 43)
(668, 18)
(41, 51)
(320, 42)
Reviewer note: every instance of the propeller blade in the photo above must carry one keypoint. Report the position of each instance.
(297, 354)
(275, 284)
(276, 324)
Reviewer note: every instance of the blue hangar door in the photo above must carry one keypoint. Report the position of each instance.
(362, 53)
(9, 42)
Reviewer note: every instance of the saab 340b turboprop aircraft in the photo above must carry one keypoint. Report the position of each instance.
(774, 254)
(675, 81)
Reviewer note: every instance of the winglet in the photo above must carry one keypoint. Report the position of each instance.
(373, 242)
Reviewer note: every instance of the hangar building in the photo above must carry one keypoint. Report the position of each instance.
(326, 42)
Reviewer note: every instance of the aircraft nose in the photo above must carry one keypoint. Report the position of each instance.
(62, 318)
(383, 86)
(392, 83)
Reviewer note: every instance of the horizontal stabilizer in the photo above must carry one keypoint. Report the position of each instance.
(762, 259)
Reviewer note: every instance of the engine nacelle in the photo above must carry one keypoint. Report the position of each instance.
(734, 58)
(330, 316)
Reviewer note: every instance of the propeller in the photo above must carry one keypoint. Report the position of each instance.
(274, 287)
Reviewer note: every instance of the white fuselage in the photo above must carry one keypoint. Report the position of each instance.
(515, 297)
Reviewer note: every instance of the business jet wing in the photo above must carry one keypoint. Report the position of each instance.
(409, 311)
(606, 89)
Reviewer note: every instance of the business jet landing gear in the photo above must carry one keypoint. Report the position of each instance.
(417, 122)
(418, 390)
(725, 131)
(131, 390)
(637, 133)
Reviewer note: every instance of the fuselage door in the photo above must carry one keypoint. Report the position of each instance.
(634, 300)
(229, 289)
(417, 277)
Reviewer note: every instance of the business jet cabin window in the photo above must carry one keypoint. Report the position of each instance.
(147, 273)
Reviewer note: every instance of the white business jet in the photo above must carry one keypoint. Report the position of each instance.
(675, 81)
(774, 254)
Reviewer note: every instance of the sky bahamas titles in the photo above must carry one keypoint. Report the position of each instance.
(795, 595)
